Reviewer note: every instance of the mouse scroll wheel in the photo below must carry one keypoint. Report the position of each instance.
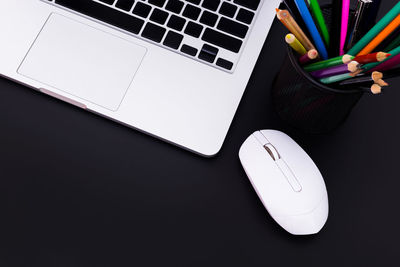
(272, 151)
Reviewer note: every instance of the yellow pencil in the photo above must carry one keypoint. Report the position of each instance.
(289, 22)
(295, 44)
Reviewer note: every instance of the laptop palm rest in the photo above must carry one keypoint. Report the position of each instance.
(83, 61)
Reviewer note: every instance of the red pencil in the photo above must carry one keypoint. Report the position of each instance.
(371, 58)
(388, 64)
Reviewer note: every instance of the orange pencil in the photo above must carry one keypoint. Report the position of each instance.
(380, 37)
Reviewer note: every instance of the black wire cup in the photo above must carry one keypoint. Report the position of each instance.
(308, 105)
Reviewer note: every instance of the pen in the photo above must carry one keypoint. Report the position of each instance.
(388, 18)
(358, 19)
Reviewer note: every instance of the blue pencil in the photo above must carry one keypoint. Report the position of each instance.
(312, 28)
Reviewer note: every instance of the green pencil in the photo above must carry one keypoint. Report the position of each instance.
(338, 78)
(395, 43)
(320, 20)
(389, 17)
(329, 63)
(392, 53)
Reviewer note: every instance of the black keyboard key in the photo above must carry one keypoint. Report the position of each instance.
(193, 29)
(223, 63)
(142, 10)
(110, 2)
(227, 9)
(211, 4)
(189, 50)
(159, 16)
(208, 53)
(252, 4)
(153, 32)
(176, 23)
(173, 40)
(191, 12)
(159, 3)
(125, 4)
(174, 6)
(209, 18)
(104, 13)
(195, 2)
(245, 16)
(232, 27)
(222, 40)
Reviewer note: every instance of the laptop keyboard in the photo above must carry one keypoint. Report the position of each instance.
(210, 31)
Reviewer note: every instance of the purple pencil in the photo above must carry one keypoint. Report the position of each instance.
(309, 56)
(336, 70)
(388, 64)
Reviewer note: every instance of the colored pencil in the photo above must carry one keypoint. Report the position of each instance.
(374, 77)
(287, 20)
(344, 24)
(329, 63)
(392, 53)
(393, 44)
(381, 36)
(359, 17)
(388, 64)
(319, 17)
(339, 78)
(336, 70)
(291, 6)
(305, 13)
(309, 56)
(295, 44)
(374, 89)
(370, 58)
(383, 46)
(389, 17)
(334, 47)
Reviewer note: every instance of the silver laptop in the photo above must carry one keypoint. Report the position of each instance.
(173, 69)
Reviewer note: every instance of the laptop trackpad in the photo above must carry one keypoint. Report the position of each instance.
(83, 61)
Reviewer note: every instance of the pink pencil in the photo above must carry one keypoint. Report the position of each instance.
(345, 24)
(388, 64)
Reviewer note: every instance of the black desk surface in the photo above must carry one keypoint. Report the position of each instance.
(79, 190)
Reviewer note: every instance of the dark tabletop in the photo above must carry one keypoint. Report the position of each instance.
(79, 190)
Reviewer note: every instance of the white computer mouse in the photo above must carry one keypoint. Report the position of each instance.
(286, 180)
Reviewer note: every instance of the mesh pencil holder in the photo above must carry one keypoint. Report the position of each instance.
(308, 105)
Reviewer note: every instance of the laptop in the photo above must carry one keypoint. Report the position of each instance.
(173, 69)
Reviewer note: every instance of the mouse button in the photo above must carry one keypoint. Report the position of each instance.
(289, 175)
(272, 151)
(260, 138)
